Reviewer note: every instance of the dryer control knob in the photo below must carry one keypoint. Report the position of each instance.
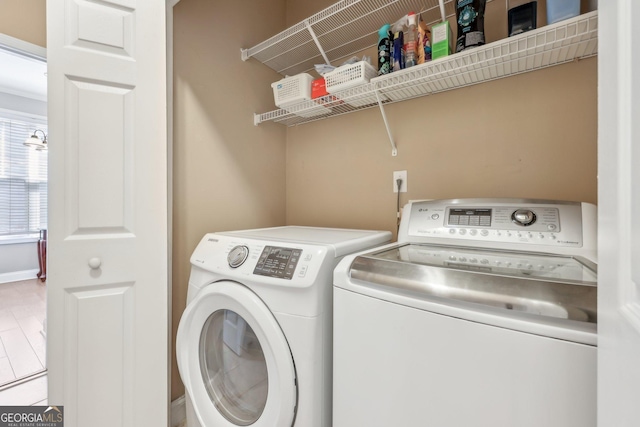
(237, 256)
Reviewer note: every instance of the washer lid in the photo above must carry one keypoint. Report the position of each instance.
(546, 294)
(234, 359)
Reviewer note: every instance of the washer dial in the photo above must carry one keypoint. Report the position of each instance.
(237, 256)
(523, 217)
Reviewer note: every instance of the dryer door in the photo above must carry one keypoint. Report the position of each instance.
(235, 361)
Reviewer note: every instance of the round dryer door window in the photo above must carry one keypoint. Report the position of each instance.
(235, 361)
(233, 366)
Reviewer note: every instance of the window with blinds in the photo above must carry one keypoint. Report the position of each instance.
(23, 180)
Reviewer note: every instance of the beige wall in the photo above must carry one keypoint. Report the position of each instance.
(531, 135)
(25, 20)
(228, 173)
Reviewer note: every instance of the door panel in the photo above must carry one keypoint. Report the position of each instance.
(100, 144)
(93, 340)
(108, 252)
(618, 210)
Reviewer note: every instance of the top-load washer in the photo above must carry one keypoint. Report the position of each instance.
(483, 314)
(254, 343)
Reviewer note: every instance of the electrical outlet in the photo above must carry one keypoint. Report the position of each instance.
(400, 175)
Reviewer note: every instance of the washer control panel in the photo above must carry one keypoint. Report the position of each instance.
(519, 264)
(505, 218)
(509, 221)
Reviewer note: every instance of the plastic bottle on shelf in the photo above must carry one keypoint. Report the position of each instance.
(410, 41)
(385, 47)
(470, 17)
(424, 42)
(398, 47)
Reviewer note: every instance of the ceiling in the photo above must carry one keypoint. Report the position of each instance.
(23, 76)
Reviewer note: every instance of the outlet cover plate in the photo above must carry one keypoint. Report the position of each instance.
(403, 176)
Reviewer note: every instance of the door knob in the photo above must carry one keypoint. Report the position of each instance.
(95, 263)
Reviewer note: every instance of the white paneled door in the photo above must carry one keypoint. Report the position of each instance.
(107, 269)
(619, 214)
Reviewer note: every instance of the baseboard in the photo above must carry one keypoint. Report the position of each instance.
(16, 276)
(178, 412)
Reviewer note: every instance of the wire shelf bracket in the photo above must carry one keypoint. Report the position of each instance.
(315, 39)
(394, 148)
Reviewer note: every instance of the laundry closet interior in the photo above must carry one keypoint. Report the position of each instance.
(531, 135)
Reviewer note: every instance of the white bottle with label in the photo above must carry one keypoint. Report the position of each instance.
(410, 41)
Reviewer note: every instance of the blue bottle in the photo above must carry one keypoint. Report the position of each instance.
(398, 51)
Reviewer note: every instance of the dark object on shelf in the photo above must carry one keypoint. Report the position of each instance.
(470, 18)
(42, 255)
(522, 18)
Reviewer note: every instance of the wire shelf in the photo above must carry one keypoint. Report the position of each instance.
(345, 28)
(555, 44)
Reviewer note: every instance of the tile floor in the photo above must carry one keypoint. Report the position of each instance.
(22, 343)
(30, 392)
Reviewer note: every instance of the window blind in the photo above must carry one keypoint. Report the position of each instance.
(23, 179)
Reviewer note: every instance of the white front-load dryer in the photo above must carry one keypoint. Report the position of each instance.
(254, 345)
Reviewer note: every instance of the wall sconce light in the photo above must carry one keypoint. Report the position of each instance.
(35, 141)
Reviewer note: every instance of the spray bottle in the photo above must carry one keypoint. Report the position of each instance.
(410, 41)
(385, 47)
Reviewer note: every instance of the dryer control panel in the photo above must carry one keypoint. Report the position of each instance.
(498, 222)
(276, 261)
(285, 263)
